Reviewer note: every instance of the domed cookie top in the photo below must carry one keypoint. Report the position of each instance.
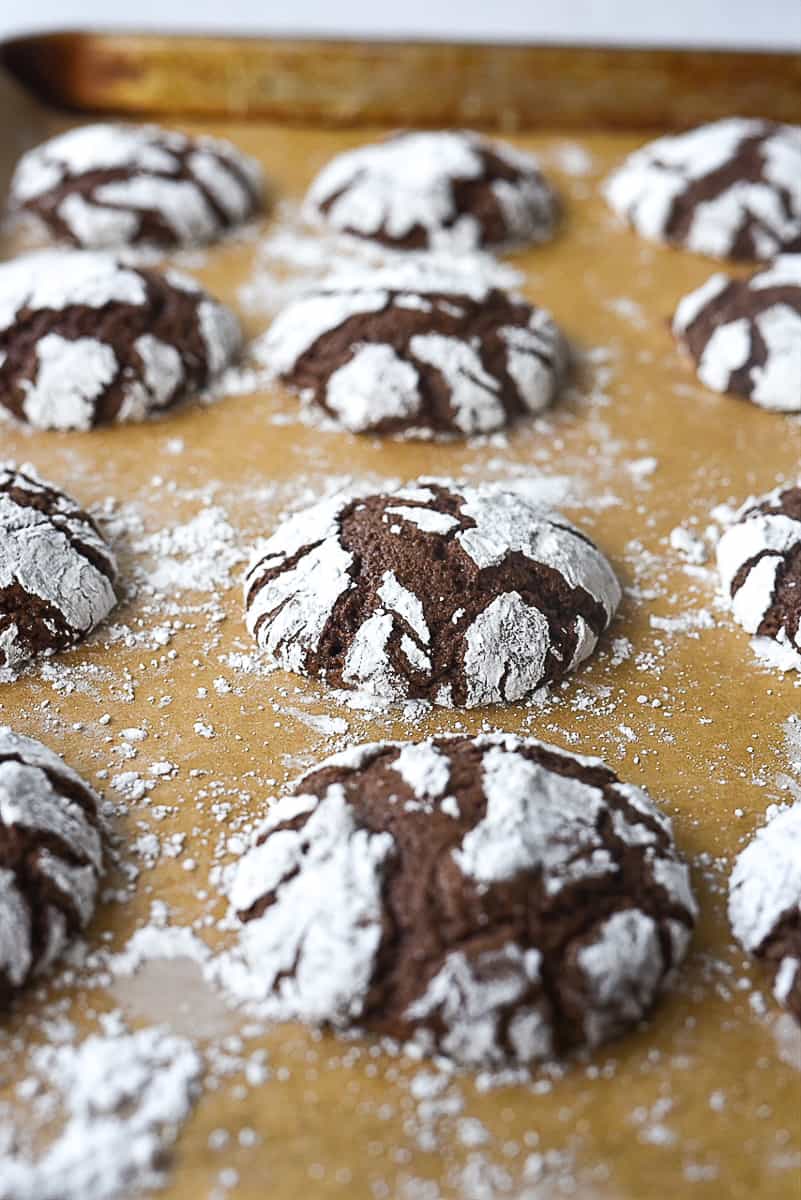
(497, 900)
(450, 189)
(731, 189)
(51, 859)
(417, 350)
(116, 185)
(459, 595)
(745, 334)
(765, 903)
(86, 340)
(759, 558)
(56, 570)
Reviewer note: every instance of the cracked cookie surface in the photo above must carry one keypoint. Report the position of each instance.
(110, 185)
(765, 903)
(87, 340)
(459, 595)
(56, 570)
(745, 334)
(759, 560)
(449, 189)
(51, 859)
(414, 350)
(495, 899)
(730, 189)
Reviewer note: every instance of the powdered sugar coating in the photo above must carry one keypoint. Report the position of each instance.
(730, 189)
(108, 185)
(319, 966)
(765, 902)
(112, 342)
(468, 596)
(745, 335)
(56, 570)
(335, 898)
(417, 349)
(450, 189)
(759, 560)
(52, 856)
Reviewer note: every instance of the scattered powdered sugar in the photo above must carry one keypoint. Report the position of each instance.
(632, 703)
(199, 555)
(290, 263)
(689, 545)
(125, 1097)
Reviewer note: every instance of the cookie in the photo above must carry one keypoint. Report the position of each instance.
(450, 189)
(496, 900)
(112, 185)
(418, 351)
(745, 334)
(51, 859)
(765, 903)
(731, 189)
(56, 570)
(759, 559)
(86, 340)
(459, 595)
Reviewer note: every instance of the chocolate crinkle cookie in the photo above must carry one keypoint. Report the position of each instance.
(765, 903)
(87, 340)
(496, 900)
(759, 559)
(745, 334)
(112, 185)
(56, 570)
(418, 351)
(51, 859)
(450, 189)
(458, 595)
(731, 189)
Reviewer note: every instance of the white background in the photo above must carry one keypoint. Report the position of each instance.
(774, 24)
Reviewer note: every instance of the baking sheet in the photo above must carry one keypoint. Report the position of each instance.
(705, 1100)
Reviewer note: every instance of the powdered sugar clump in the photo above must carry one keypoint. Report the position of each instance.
(126, 1096)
